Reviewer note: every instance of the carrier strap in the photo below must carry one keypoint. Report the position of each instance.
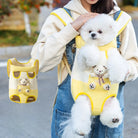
(116, 15)
(122, 22)
(63, 15)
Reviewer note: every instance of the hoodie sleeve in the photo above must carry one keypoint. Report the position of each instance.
(129, 51)
(51, 43)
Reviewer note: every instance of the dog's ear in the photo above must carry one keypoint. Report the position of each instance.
(105, 67)
(93, 66)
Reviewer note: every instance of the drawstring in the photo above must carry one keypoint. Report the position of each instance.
(100, 78)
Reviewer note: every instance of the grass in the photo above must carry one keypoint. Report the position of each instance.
(16, 38)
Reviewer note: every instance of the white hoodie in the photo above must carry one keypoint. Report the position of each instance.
(54, 36)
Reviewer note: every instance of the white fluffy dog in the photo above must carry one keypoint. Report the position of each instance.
(96, 32)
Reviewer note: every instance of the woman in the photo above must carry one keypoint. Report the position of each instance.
(51, 45)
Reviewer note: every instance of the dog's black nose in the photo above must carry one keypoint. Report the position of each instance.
(93, 35)
(115, 120)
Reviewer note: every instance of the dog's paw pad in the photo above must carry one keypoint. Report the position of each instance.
(115, 120)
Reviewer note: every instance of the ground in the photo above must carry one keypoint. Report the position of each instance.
(33, 120)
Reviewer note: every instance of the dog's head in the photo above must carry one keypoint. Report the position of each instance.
(99, 30)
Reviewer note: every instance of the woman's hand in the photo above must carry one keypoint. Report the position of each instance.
(82, 19)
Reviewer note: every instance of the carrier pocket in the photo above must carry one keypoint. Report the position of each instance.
(60, 118)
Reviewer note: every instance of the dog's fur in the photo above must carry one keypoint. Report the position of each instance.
(97, 31)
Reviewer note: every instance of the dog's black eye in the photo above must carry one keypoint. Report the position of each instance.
(90, 31)
(100, 32)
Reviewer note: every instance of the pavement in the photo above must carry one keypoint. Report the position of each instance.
(27, 120)
(16, 52)
(33, 120)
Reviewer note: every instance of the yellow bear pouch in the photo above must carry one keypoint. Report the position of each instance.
(23, 80)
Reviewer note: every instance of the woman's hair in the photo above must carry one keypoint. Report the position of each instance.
(103, 6)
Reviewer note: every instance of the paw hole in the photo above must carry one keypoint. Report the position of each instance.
(31, 74)
(30, 99)
(16, 74)
(15, 98)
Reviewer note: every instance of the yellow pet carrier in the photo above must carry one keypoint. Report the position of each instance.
(81, 80)
(23, 80)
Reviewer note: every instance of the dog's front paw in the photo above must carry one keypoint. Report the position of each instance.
(116, 75)
(116, 78)
(92, 61)
(117, 66)
(90, 54)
